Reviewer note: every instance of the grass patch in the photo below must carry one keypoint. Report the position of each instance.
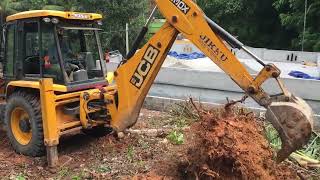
(182, 115)
(130, 153)
(272, 136)
(176, 137)
(104, 169)
(63, 173)
(76, 178)
(308, 157)
(312, 149)
(20, 177)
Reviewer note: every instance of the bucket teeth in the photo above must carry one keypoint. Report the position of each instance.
(294, 121)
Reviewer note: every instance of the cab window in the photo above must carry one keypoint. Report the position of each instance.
(30, 58)
(51, 66)
(9, 55)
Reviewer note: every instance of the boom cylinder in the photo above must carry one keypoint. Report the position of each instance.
(141, 35)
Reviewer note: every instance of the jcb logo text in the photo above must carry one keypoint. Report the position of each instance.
(181, 5)
(144, 67)
(214, 50)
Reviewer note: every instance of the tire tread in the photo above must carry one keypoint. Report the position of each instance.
(36, 146)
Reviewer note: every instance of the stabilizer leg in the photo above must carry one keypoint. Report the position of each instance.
(52, 156)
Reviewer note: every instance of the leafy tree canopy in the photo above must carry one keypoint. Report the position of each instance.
(276, 24)
(291, 13)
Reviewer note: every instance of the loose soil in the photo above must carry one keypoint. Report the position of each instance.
(231, 146)
(219, 146)
(224, 146)
(85, 157)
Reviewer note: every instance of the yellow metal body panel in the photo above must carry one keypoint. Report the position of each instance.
(64, 119)
(133, 81)
(35, 85)
(135, 77)
(61, 14)
(110, 77)
(49, 115)
(84, 111)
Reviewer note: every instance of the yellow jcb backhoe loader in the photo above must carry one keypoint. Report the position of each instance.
(54, 81)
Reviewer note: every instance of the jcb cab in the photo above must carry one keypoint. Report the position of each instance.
(49, 58)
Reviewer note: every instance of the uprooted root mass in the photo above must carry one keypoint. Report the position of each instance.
(231, 146)
(225, 145)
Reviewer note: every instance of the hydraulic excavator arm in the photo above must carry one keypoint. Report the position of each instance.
(290, 115)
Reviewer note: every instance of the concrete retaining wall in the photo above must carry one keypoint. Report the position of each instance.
(265, 54)
(215, 87)
(307, 89)
(164, 104)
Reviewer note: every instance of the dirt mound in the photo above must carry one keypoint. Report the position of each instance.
(231, 146)
(223, 145)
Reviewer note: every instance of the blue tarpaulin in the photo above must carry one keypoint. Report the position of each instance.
(190, 56)
(302, 75)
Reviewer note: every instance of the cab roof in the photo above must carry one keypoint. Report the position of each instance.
(61, 14)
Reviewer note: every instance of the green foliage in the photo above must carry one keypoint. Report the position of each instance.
(312, 149)
(103, 169)
(253, 22)
(272, 136)
(275, 24)
(7, 7)
(116, 15)
(176, 137)
(130, 153)
(76, 178)
(291, 13)
(183, 114)
(63, 172)
(20, 177)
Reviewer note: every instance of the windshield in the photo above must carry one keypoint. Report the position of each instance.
(80, 53)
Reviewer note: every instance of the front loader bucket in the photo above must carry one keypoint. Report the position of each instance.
(294, 122)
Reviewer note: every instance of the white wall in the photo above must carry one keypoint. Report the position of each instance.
(263, 53)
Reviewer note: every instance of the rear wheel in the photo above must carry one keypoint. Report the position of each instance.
(23, 122)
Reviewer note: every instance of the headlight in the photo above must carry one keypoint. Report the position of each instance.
(99, 23)
(46, 20)
(55, 20)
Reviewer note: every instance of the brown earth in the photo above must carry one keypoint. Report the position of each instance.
(85, 157)
(224, 147)
(232, 147)
(217, 147)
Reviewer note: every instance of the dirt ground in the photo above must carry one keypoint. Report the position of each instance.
(85, 157)
(218, 147)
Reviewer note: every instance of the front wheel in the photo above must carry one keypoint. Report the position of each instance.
(23, 122)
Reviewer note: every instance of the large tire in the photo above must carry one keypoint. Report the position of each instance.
(23, 122)
(98, 131)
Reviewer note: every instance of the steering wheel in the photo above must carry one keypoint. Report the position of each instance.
(31, 59)
(73, 61)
